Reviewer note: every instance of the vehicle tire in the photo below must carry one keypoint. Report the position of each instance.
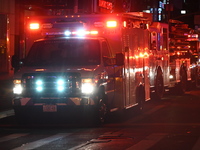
(101, 112)
(159, 86)
(96, 115)
(140, 96)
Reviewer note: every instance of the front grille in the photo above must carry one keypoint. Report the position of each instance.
(51, 84)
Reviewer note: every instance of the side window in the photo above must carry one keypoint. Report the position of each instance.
(105, 50)
(106, 54)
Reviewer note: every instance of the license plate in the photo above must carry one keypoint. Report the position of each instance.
(49, 108)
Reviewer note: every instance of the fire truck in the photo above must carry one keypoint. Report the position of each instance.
(184, 56)
(194, 49)
(96, 63)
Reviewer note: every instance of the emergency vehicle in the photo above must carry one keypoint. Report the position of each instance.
(97, 63)
(184, 56)
(194, 49)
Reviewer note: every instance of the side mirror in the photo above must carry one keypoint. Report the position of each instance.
(119, 59)
(15, 61)
(106, 61)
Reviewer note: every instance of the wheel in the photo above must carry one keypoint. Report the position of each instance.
(159, 86)
(140, 96)
(96, 115)
(101, 111)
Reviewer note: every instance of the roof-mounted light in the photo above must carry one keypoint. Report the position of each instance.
(80, 33)
(111, 24)
(93, 32)
(67, 33)
(34, 26)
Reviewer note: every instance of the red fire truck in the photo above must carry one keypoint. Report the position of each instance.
(184, 56)
(91, 63)
(194, 49)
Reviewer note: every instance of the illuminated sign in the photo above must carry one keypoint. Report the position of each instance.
(105, 4)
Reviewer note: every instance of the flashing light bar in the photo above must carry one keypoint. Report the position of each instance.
(73, 33)
(34, 26)
(80, 33)
(109, 24)
(193, 36)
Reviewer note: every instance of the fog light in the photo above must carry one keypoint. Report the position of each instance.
(171, 76)
(17, 89)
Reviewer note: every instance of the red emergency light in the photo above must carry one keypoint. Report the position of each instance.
(111, 24)
(34, 26)
(81, 33)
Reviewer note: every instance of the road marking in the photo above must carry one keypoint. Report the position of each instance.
(7, 113)
(12, 136)
(80, 146)
(42, 142)
(98, 140)
(148, 142)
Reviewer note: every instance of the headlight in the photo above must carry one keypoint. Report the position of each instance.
(39, 82)
(87, 86)
(60, 85)
(17, 89)
(171, 77)
(39, 85)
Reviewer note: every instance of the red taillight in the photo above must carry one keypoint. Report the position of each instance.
(34, 26)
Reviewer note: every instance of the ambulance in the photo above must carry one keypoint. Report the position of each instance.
(91, 64)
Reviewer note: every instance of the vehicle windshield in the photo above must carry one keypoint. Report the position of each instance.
(64, 52)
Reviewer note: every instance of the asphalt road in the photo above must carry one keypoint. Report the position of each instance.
(170, 124)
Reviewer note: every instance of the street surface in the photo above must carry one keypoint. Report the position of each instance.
(170, 124)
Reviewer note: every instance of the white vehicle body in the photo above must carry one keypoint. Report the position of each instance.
(119, 72)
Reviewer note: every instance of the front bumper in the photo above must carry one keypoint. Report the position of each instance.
(72, 101)
(53, 105)
(30, 108)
